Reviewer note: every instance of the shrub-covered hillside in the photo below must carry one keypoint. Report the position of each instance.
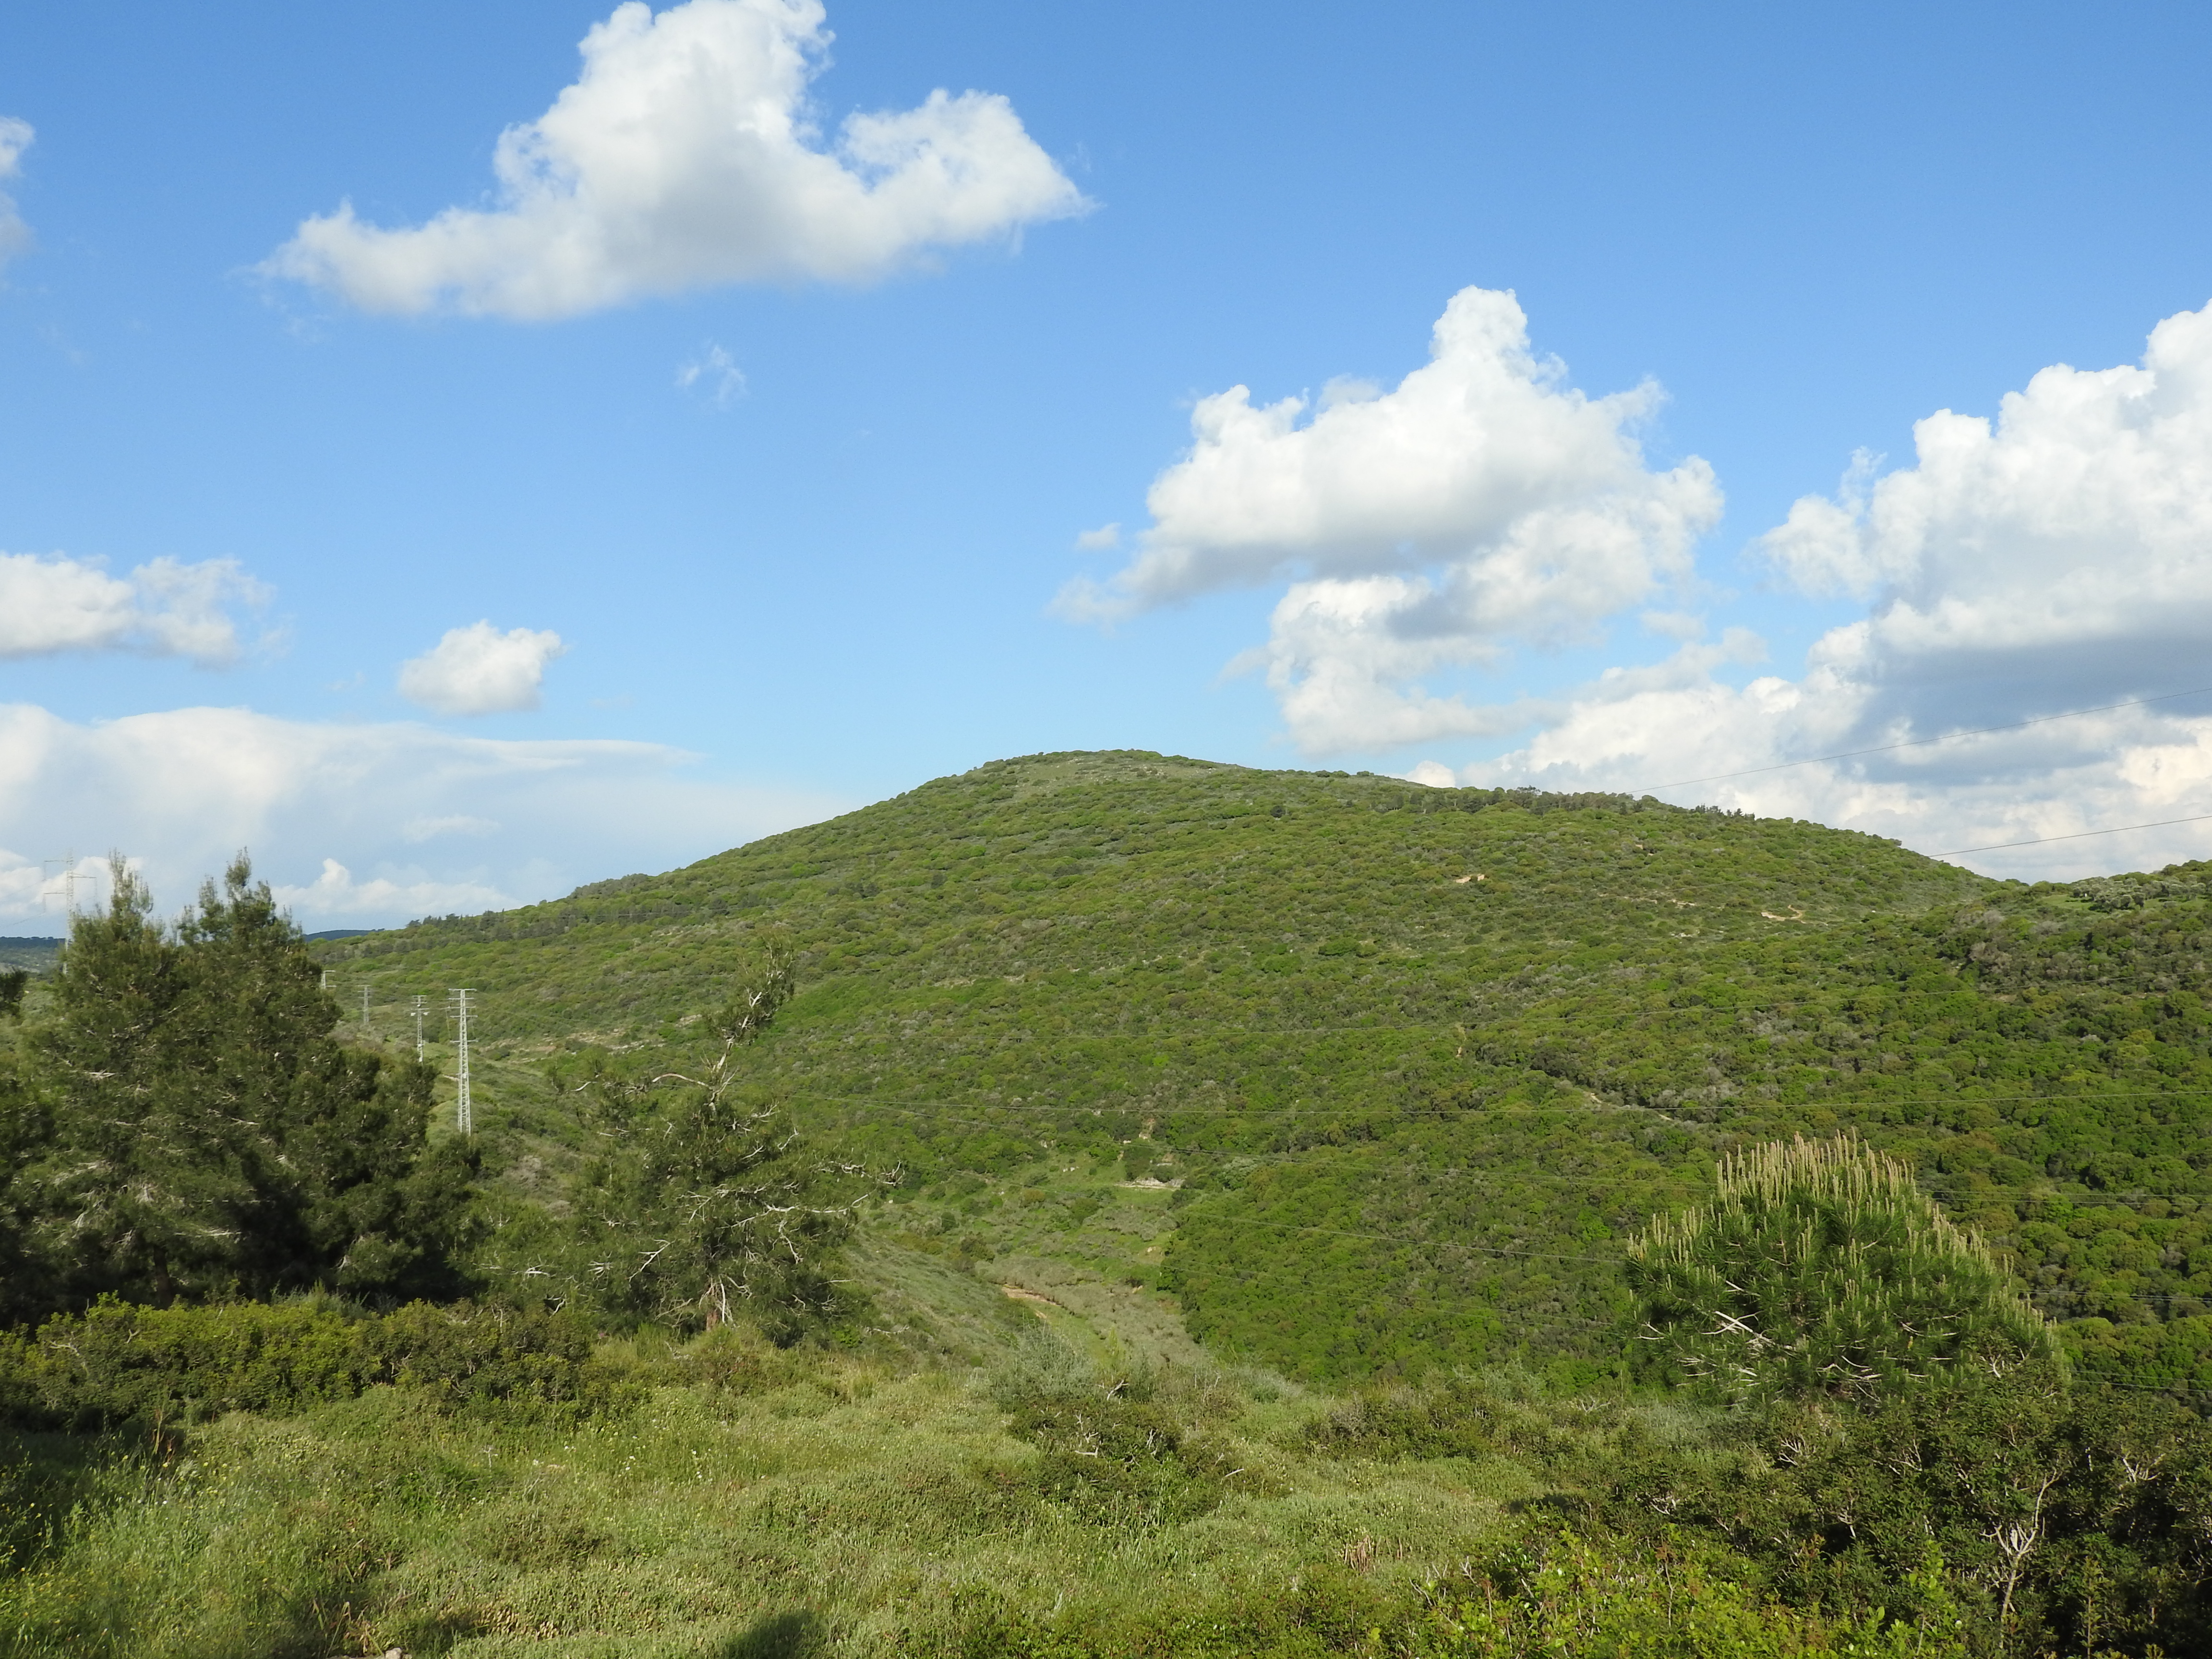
(1416, 1059)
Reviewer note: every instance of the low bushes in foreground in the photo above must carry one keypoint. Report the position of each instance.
(116, 1363)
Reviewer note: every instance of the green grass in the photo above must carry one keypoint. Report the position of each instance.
(872, 1506)
(842, 1506)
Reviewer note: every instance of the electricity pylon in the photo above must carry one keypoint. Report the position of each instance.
(464, 1118)
(69, 863)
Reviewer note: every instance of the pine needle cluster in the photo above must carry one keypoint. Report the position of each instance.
(1821, 1268)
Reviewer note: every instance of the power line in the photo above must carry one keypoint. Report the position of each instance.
(1922, 743)
(2079, 834)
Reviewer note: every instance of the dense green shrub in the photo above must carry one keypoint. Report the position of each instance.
(471, 1355)
(116, 1363)
(2080, 1517)
(1555, 1593)
(1821, 1268)
(1119, 1462)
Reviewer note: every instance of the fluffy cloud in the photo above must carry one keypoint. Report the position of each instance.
(1480, 504)
(477, 670)
(2048, 786)
(2061, 552)
(2058, 558)
(164, 608)
(15, 139)
(358, 824)
(683, 157)
(336, 895)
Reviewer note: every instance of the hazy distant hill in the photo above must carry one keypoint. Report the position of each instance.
(34, 953)
(1418, 1057)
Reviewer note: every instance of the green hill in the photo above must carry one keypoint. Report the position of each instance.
(1372, 1077)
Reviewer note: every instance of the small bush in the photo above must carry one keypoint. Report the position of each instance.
(1119, 1462)
(116, 1363)
(469, 1355)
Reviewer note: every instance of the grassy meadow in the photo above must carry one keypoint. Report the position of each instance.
(821, 1503)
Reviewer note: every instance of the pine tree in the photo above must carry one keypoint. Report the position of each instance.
(704, 1206)
(25, 1132)
(205, 1135)
(145, 1190)
(361, 1203)
(1821, 1268)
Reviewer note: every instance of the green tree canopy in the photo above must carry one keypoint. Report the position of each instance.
(703, 1204)
(1821, 1268)
(198, 1132)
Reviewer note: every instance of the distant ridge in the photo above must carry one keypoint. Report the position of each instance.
(31, 951)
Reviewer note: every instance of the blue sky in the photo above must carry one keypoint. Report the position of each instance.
(770, 499)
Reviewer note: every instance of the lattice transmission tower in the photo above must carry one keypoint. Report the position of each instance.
(463, 1117)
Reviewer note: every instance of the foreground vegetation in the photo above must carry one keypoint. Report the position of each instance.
(726, 1496)
(1109, 1204)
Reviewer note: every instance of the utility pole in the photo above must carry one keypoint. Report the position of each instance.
(464, 1119)
(420, 1007)
(68, 862)
(364, 1007)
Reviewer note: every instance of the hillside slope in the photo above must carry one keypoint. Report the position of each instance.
(1417, 1058)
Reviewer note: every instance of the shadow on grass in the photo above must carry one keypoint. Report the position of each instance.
(780, 1635)
(46, 1477)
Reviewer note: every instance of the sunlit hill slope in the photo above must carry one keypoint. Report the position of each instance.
(1406, 1062)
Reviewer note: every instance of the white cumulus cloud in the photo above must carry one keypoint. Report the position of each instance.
(1481, 503)
(363, 824)
(336, 895)
(683, 156)
(2057, 558)
(54, 603)
(477, 670)
(2063, 549)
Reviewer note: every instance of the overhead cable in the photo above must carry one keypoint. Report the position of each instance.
(2078, 834)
